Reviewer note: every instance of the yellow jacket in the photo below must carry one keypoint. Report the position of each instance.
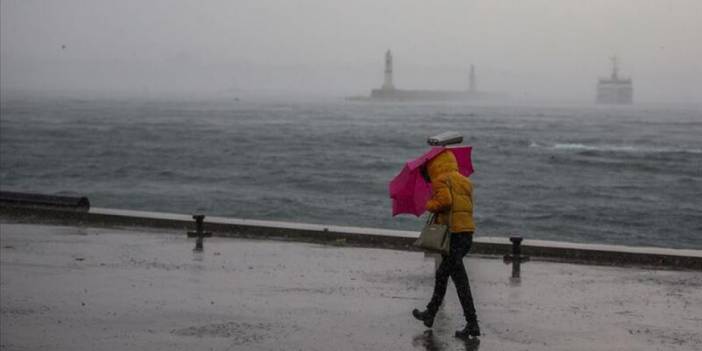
(450, 188)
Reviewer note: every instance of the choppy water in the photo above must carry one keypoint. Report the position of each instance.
(624, 175)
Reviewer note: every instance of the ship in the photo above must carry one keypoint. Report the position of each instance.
(388, 91)
(615, 89)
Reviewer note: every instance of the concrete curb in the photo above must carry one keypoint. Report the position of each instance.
(356, 236)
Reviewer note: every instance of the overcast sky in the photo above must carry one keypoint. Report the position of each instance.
(527, 48)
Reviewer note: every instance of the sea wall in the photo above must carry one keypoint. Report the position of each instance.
(357, 236)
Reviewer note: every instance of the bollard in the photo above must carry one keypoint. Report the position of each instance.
(516, 257)
(199, 232)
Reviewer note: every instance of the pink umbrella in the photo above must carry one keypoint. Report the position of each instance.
(410, 192)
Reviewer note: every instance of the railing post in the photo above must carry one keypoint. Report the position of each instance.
(516, 257)
(199, 232)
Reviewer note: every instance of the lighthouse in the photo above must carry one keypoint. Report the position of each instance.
(387, 83)
(471, 79)
(388, 92)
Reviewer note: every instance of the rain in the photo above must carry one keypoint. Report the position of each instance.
(357, 175)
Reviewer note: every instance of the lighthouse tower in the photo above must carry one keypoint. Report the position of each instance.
(387, 83)
(471, 79)
(615, 67)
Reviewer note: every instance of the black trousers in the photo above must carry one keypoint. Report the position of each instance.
(452, 266)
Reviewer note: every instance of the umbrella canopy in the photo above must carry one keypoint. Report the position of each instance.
(410, 192)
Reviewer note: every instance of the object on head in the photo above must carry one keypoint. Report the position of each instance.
(443, 139)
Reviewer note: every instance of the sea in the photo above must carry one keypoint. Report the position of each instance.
(626, 175)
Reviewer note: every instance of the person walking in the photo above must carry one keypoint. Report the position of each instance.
(452, 195)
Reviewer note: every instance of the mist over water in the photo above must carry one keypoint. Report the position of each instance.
(625, 175)
(537, 49)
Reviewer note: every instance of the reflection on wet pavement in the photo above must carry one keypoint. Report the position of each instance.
(427, 341)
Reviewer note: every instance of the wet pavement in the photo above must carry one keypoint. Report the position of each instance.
(73, 288)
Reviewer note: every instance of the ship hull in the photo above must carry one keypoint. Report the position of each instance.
(614, 93)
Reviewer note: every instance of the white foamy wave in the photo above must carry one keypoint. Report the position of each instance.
(615, 148)
(569, 146)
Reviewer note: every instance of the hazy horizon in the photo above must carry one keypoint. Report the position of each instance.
(529, 50)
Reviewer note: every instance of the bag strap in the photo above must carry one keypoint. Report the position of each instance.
(452, 202)
(431, 218)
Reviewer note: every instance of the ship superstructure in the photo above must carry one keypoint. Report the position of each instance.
(615, 89)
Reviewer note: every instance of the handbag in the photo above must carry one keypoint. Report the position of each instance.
(436, 237)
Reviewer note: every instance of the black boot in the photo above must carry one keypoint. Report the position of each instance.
(471, 330)
(425, 316)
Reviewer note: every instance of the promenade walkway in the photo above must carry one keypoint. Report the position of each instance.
(76, 288)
